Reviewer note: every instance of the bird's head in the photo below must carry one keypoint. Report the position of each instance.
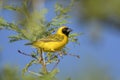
(64, 30)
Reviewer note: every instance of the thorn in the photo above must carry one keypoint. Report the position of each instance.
(56, 64)
(77, 56)
(23, 53)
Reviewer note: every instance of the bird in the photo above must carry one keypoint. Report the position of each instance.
(54, 42)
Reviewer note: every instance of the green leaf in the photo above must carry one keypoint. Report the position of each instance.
(50, 75)
(15, 38)
(73, 37)
(2, 22)
(27, 66)
(12, 8)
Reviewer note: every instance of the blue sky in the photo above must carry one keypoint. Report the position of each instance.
(105, 54)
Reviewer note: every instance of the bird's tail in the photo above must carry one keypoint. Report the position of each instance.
(28, 43)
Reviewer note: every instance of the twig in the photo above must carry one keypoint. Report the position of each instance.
(54, 56)
(24, 53)
(37, 74)
(30, 55)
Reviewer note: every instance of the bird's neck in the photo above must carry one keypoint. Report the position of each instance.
(65, 38)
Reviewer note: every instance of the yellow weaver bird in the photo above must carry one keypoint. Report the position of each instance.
(54, 42)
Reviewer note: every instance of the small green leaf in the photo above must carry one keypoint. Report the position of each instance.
(15, 38)
(68, 78)
(50, 75)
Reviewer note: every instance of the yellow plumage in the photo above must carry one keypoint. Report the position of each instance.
(54, 42)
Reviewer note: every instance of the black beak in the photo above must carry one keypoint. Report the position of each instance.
(69, 30)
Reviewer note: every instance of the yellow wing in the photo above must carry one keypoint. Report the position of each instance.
(52, 38)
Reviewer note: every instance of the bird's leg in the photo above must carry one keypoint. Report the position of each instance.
(41, 57)
(42, 61)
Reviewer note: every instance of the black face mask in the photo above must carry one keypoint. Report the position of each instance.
(66, 31)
